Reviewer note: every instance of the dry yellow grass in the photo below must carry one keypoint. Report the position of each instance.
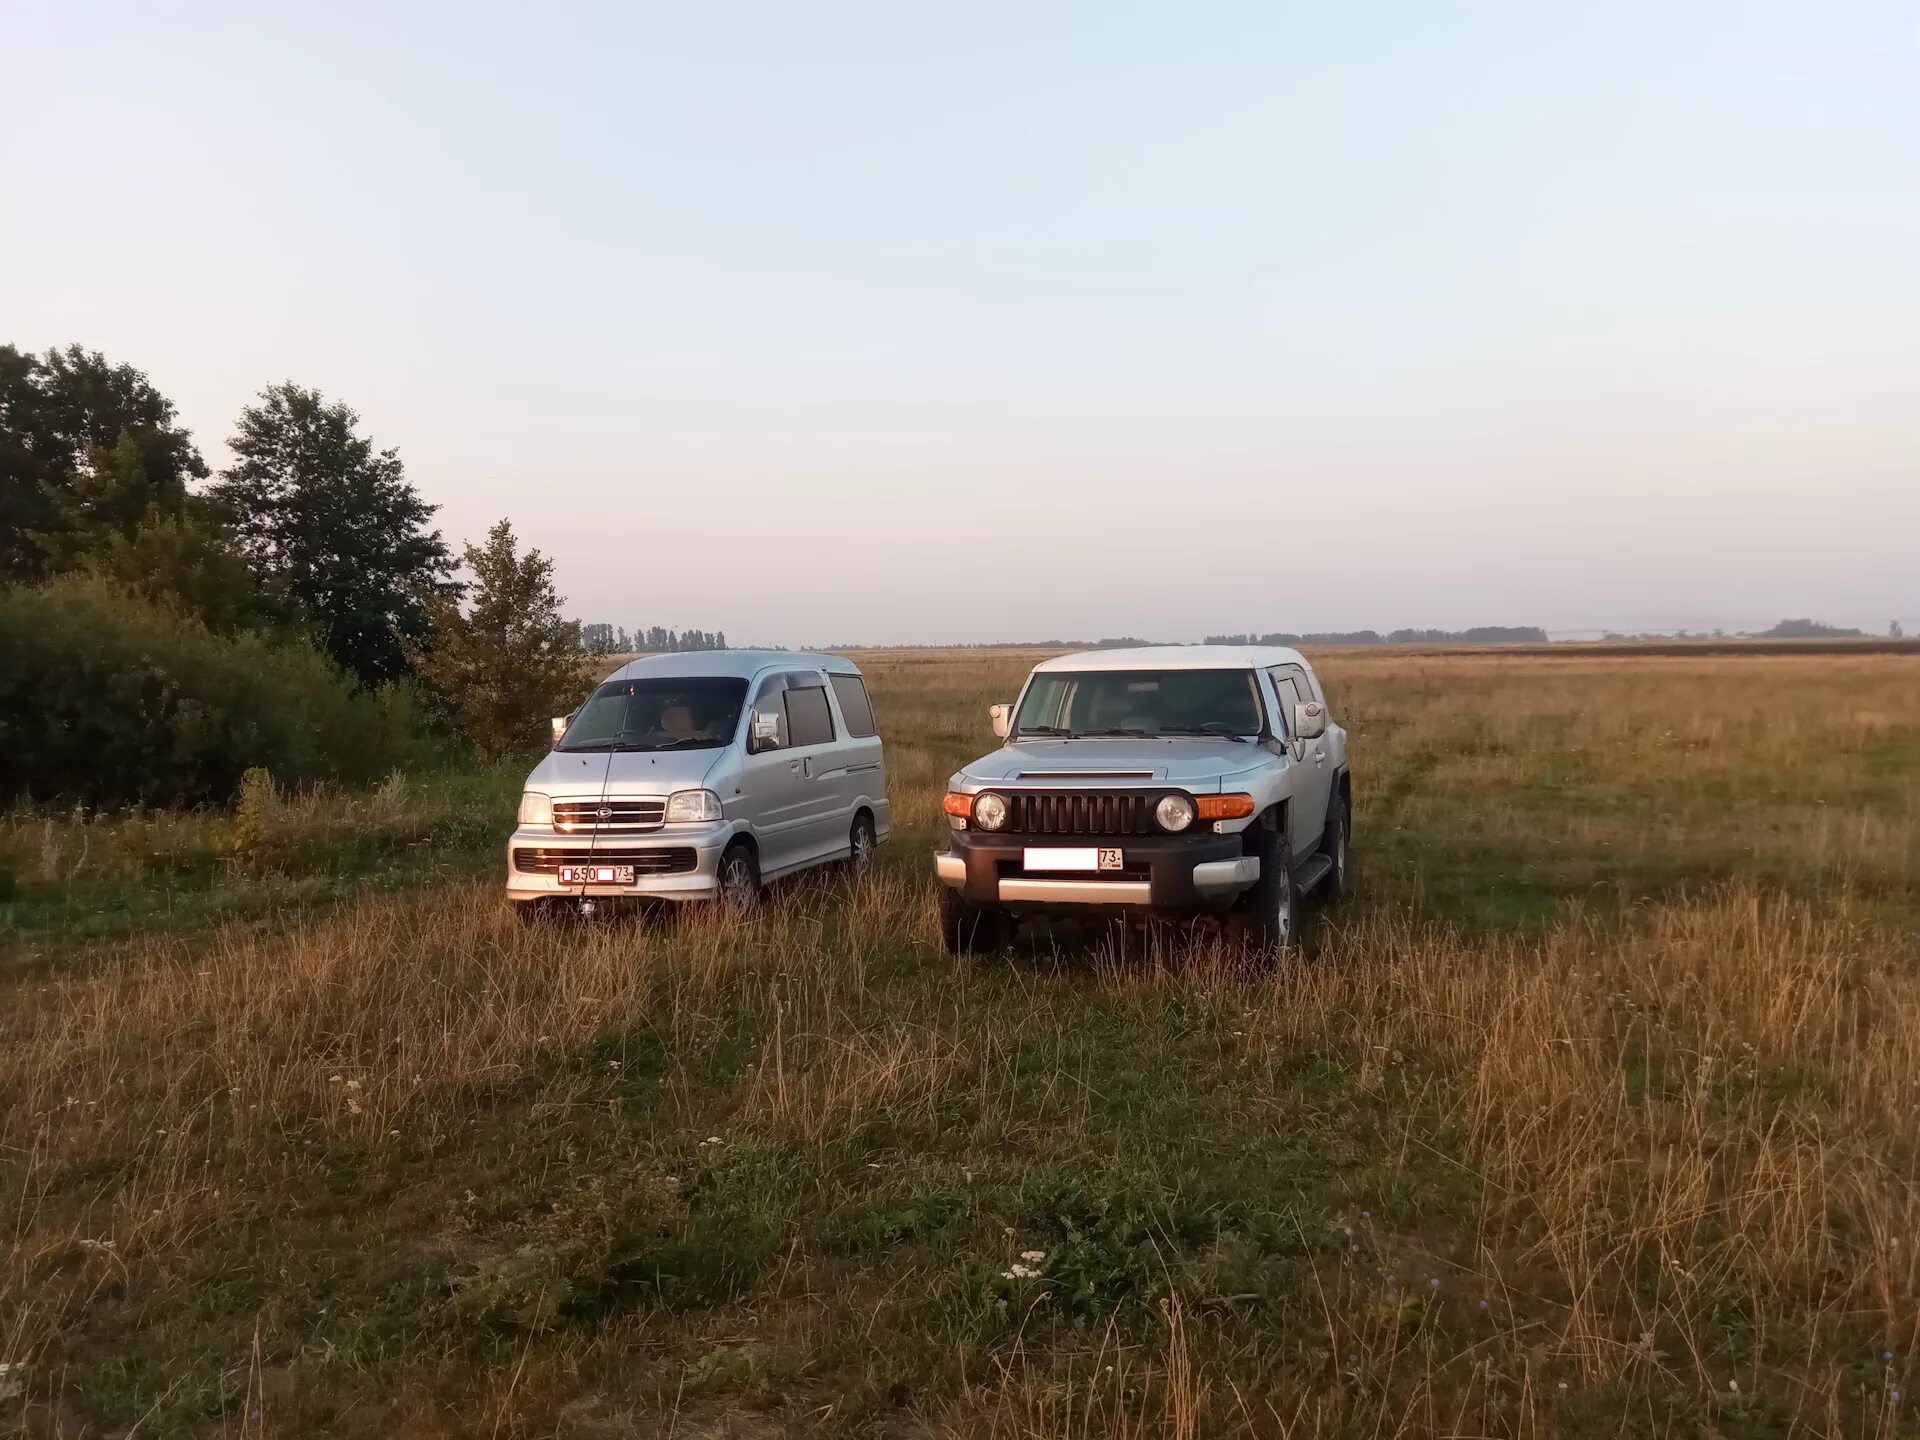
(1596, 1110)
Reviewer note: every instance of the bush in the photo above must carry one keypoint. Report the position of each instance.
(108, 698)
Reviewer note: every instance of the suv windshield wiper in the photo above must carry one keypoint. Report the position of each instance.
(1115, 730)
(1213, 730)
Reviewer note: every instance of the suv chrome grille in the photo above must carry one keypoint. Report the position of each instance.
(1077, 812)
(579, 816)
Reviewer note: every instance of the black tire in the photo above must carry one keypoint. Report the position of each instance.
(1268, 915)
(738, 879)
(969, 929)
(863, 844)
(1337, 846)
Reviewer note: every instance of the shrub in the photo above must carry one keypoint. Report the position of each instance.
(108, 698)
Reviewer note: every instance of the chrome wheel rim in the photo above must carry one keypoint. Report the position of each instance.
(736, 882)
(1283, 912)
(1340, 854)
(863, 847)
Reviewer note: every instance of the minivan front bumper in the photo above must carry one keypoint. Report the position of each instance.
(1160, 872)
(681, 875)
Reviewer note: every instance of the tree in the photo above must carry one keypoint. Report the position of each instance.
(190, 563)
(335, 523)
(1894, 632)
(497, 671)
(87, 449)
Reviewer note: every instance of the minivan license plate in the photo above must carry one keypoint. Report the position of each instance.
(596, 874)
(1041, 858)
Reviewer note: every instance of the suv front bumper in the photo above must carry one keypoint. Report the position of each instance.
(1159, 872)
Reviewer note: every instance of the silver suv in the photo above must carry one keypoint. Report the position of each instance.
(701, 776)
(1172, 779)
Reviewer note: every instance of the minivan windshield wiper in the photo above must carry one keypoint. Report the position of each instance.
(1044, 730)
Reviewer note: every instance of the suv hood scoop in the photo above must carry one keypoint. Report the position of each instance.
(1087, 775)
(1190, 762)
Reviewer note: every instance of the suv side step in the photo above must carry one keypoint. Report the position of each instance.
(1311, 871)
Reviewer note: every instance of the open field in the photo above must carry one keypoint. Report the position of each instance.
(1596, 1110)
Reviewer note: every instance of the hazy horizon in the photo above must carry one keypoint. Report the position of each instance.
(871, 325)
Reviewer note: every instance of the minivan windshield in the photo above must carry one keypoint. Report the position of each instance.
(665, 714)
(1217, 703)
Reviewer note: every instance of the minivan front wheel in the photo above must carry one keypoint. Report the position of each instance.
(739, 879)
(863, 843)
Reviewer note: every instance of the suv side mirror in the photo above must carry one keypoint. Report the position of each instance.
(559, 724)
(1002, 719)
(766, 731)
(1309, 720)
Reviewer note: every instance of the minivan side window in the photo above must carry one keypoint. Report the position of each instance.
(809, 721)
(851, 692)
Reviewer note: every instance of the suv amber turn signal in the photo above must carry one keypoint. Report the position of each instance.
(958, 804)
(1223, 807)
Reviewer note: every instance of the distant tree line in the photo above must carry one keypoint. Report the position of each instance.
(603, 639)
(1473, 635)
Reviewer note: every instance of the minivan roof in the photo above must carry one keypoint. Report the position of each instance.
(741, 664)
(1178, 657)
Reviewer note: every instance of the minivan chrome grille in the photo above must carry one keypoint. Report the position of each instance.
(1077, 812)
(580, 816)
(676, 860)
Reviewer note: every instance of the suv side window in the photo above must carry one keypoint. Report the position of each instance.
(809, 721)
(851, 692)
(1286, 694)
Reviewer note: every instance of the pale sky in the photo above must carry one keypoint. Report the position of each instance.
(925, 322)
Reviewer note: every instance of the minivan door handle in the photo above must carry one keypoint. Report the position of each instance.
(806, 767)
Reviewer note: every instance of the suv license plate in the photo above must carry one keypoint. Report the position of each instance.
(596, 874)
(1037, 858)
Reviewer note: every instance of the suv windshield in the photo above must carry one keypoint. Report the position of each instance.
(1219, 703)
(677, 714)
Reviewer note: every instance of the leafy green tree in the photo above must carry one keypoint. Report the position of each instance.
(334, 522)
(189, 561)
(495, 672)
(87, 449)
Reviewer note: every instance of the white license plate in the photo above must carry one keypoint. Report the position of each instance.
(596, 874)
(1040, 858)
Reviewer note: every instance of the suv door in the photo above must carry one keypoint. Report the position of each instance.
(1309, 762)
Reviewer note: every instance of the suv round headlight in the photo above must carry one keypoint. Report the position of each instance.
(989, 811)
(1174, 812)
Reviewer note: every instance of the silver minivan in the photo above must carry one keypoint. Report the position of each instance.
(701, 776)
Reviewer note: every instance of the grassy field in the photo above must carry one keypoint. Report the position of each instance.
(1595, 1111)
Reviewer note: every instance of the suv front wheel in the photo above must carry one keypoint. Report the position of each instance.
(1269, 913)
(969, 929)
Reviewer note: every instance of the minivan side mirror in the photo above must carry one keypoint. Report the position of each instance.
(559, 724)
(1002, 719)
(767, 731)
(1309, 720)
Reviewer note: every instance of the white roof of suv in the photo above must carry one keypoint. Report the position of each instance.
(1178, 657)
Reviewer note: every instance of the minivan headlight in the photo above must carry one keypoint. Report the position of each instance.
(687, 805)
(1174, 812)
(989, 811)
(536, 809)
